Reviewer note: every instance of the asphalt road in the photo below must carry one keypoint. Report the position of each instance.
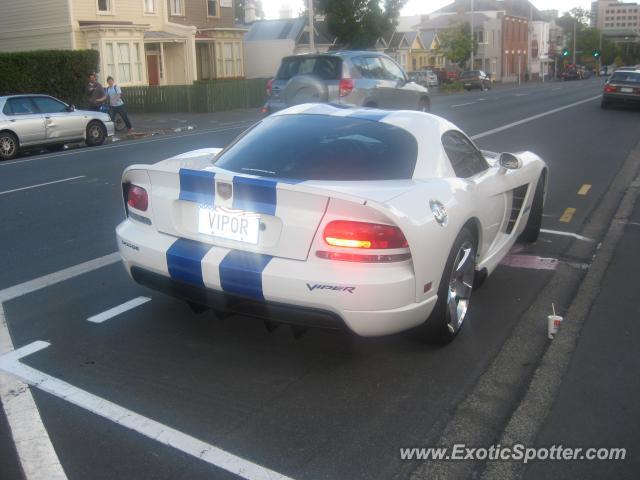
(323, 406)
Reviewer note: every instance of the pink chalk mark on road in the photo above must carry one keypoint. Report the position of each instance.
(530, 261)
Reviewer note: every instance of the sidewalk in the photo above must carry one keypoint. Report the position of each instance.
(149, 124)
(597, 403)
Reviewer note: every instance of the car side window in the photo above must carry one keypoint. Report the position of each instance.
(465, 158)
(375, 68)
(49, 105)
(20, 106)
(361, 65)
(394, 71)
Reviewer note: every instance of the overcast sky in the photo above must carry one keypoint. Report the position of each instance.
(416, 7)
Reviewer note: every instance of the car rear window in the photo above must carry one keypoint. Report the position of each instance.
(472, 73)
(323, 147)
(327, 68)
(629, 77)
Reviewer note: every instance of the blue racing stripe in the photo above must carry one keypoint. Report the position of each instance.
(241, 273)
(375, 115)
(254, 195)
(197, 186)
(184, 261)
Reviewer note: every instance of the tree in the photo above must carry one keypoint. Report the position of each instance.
(357, 24)
(239, 10)
(455, 43)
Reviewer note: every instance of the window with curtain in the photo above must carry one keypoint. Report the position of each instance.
(111, 64)
(104, 6)
(137, 63)
(176, 7)
(238, 59)
(149, 6)
(212, 8)
(124, 63)
(228, 59)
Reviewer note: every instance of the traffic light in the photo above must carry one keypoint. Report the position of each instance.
(565, 52)
(595, 53)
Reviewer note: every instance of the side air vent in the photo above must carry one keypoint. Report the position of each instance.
(516, 206)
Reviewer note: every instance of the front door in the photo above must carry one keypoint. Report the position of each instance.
(153, 69)
(60, 123)
(25, 120)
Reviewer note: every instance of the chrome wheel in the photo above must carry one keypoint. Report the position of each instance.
(460, 286)
(7, 146)
(95, 132)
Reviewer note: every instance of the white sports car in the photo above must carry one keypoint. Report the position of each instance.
(318, 215)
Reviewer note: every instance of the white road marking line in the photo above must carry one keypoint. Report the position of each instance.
(566, 234)
(521, 94)
(554, 89)
(126, 144)
(112, 312)
(36, 454)
(41, 184)
(534, 117)
(463, 104)
(530, 261)
(56, 277)
(164, 434)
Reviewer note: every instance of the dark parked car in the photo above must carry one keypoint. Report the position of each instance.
(475, 79)
(622, 88)
(571, 74)
(369, 79)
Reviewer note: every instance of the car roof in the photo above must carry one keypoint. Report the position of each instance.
(339, 53)
(21, 95)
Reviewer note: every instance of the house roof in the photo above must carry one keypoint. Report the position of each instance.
(428, 37)
(152, 35)
(444, 21)
(290, 28)
(520, 8)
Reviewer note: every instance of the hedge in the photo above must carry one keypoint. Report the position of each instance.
(60, 73)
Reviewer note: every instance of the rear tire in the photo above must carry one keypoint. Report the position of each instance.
(9, 146)
(454, 293)
(534, 223)
(96, 134)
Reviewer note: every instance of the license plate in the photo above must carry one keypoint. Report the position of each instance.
(230, 224)
(626, 90)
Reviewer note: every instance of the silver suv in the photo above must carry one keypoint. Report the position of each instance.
(369, 79)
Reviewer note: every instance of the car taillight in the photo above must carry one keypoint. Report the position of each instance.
(610, 89)
(345, 86)
(269, 87)
(343, 233)
(137, 198)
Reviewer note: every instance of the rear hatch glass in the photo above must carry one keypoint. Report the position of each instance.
(471, 74)
(322, 147)
(325, 67)
(626, 77)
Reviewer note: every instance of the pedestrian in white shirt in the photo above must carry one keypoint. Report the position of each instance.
(116, 104)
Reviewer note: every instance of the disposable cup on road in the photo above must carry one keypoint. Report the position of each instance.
(553, 324)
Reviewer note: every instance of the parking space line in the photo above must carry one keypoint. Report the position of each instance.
(36, 454)
(584, 189)
(567, 234)
(115, 311)
(41, 184)
(145, 426)
(57, 277)
(567, 216)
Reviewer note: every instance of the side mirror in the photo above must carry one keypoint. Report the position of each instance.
(508, 161)
(71, 108)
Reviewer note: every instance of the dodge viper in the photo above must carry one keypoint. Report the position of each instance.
(322, 215)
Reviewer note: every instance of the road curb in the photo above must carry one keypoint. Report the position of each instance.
(480, 419)
(529, 417)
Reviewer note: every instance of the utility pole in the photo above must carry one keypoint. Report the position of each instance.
(575, 23)
(312, 40)
(472, 40)
(600, 56)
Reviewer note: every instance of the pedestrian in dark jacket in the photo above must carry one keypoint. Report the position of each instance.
(116, 104)
(95, 93)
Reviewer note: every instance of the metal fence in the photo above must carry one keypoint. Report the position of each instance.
(201, 97)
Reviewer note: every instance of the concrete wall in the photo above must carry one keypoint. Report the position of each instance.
(34, 25)
(262, 58)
